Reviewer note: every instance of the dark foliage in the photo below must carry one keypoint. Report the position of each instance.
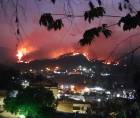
(53, 1)
(48, 21)
(8, 78)
(58, 24)
(99, 2)
(126, 5)
(31, 102)
(94, 12)
(126, 1)
(120, 7)
(130, 22)
(91, 34)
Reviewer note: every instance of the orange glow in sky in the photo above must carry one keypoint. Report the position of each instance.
(27, 52)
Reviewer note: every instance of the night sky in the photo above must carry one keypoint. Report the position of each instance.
(42, 43)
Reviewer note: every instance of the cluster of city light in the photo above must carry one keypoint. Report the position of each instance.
(105, 74)
(109, 62)
(127, 94)
(81, 90)
(79, 70)
(85, 70)
(25, 83)
(80, 95)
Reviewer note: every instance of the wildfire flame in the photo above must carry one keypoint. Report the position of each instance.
(23, 50)
(84, 53)
(27, 52)
(20, 53)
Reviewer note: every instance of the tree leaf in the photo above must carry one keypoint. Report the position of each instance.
(48, 21)
(126, 1)
(120, 7)
(130, 22)
(91, 34)
(99, 2)
(53, 1)
(58, 24)
(91, 5)
(107, 33)
(94, 13)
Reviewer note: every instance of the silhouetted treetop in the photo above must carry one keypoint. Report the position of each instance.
(129, 21)
(91, 34)
(96, 9)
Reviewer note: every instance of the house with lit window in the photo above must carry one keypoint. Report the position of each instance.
(72, 106)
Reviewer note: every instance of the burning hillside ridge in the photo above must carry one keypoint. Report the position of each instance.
(26, 56)
(26, 52)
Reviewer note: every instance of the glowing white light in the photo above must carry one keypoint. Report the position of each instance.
(72, 87)
(108, 63)
(56, 67)
(99, 100)
(57, 72)
(98, 89)
(77, 97)
(117, 63)
(105, 74)
(48, 69)
(84, 69)
(108, 92)
(25, 83)
(30, 70)
(58, 96)
(75, 53)
(20, 53)
(22, 116)
(62, 86)
(86, 55)
(86, 89)
(118, 95)
(27, 62)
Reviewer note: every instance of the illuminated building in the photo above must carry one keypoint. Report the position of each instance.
(72, 106)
